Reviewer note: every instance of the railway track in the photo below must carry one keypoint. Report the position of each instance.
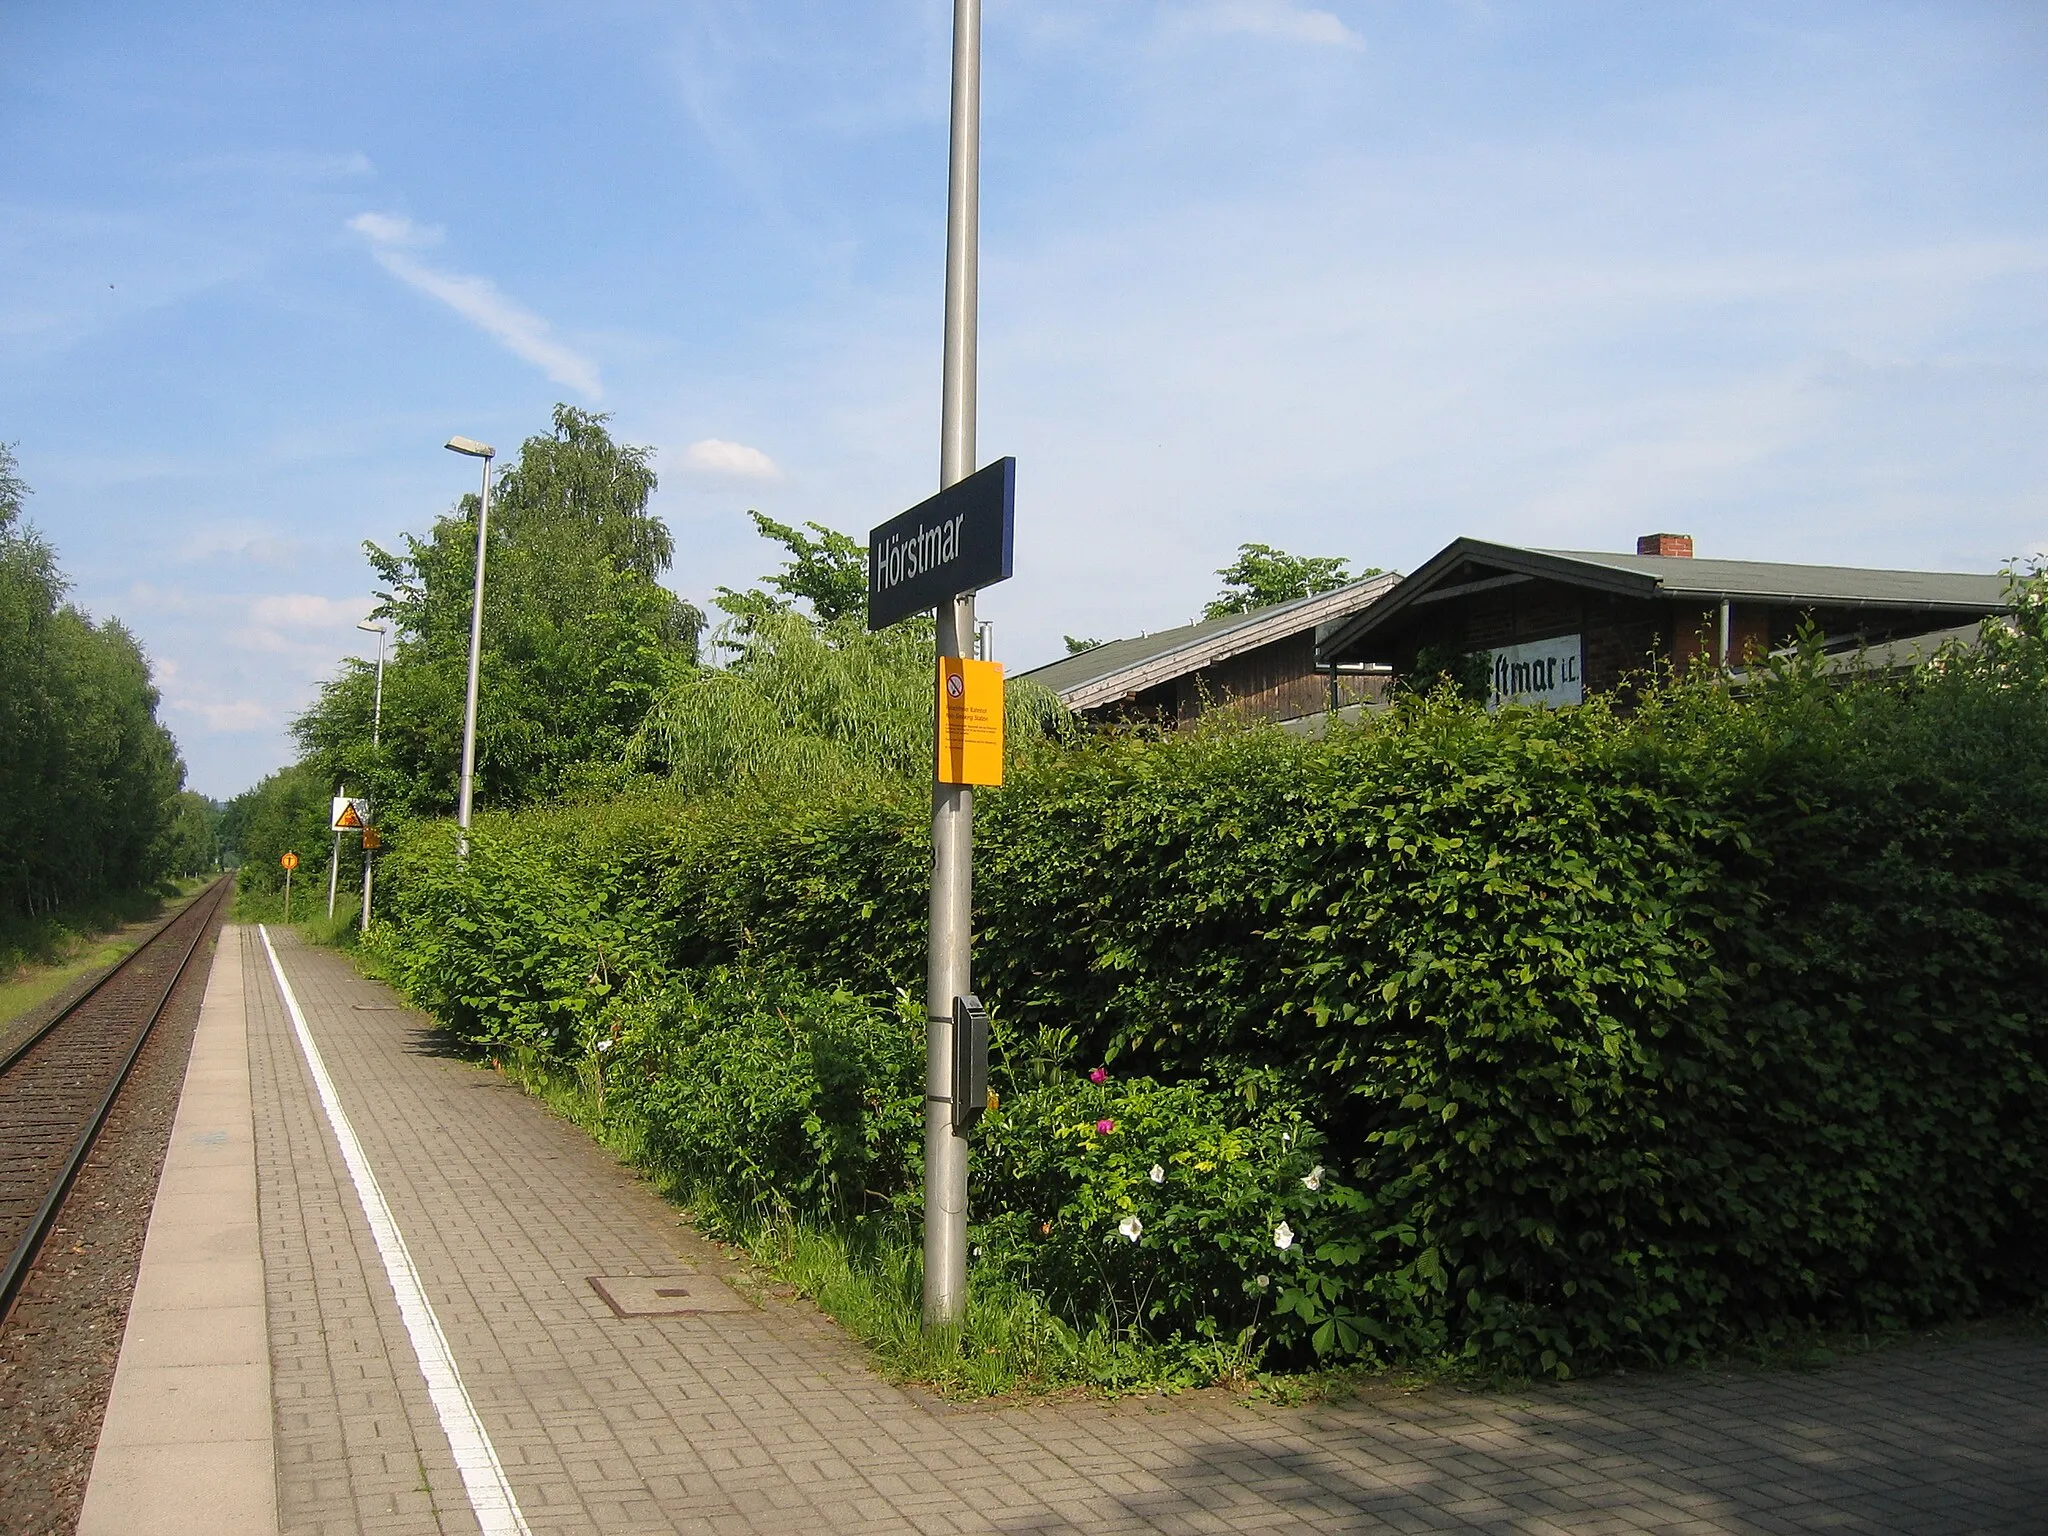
(57, 1086)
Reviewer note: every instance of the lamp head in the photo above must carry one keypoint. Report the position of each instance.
(472, 447)
(367, 627)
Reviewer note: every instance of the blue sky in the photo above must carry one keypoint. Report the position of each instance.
(1349, 278)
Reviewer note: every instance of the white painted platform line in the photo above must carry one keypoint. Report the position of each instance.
(483, 1476)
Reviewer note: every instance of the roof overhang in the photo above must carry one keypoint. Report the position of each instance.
(1667, 578)
(1425, 586)
(1262, 627)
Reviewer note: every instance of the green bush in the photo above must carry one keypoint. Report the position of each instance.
(772, 1095)
(1179, 1212)
(1131, 1209)
(1633, 1034)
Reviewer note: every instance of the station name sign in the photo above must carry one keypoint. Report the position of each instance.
(958, 541)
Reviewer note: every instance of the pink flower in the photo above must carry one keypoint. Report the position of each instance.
(1097, 1076)
(1104, 1127)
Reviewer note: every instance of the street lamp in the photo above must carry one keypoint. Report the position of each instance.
(376, 736)
(475, 450)
(377, 709)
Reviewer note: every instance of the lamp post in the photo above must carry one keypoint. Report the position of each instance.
(376, 736)
(475, 450)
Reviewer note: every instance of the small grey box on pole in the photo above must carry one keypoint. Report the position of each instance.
(948, 971)
(475, 450)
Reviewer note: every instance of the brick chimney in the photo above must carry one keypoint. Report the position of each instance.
(1677, 545)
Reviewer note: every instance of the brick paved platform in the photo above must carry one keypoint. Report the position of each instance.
(745, 1420)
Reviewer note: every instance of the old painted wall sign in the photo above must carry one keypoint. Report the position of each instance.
(1538, 672)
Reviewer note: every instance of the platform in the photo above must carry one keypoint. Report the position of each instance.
(416, 1242)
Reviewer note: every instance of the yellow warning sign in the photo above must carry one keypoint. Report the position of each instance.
(970, 721)
(351, 814)
(290, 861)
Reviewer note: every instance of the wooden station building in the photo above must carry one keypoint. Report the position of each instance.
(1261, 665)
(1557, 623)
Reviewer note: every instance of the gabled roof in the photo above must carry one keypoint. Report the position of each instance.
(1121, 667)
(1670, 577)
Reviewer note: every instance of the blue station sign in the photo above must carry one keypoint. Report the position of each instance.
(958, 541)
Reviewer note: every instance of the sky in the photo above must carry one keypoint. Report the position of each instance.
(1350, 278)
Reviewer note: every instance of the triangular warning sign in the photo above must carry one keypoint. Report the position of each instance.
(348, 820)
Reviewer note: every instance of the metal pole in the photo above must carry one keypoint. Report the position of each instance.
(376, 738)
(334, 862)
(1725, 626)
(948, 971)
(476, 645)
(287, 897)
(377, 709)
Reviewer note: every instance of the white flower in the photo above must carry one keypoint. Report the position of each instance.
(604, 1045)
(1158, 1174)
(1262, 1281)
(1283, 1237)
(1131, 1227)
(1286, 1140)
(1314, 1181)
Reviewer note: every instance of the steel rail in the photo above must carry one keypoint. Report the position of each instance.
(25, 1251)
(120, 965)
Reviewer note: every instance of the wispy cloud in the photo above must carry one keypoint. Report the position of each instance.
(1280, 19)
(715, 456)
(477, 299)
(304, 610)
(220, 714)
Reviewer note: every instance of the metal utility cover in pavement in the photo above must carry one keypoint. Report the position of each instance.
(958, 541)
(665, 1295)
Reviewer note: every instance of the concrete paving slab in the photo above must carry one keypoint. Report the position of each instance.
(768, 1420)
(186, 1442)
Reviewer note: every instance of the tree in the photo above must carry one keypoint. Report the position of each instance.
(581, 484)
(1262, 575)
(87, 772)
(1076, 646)
(194, 835)
(830, 572)
(287, 812)
(810, 700)
(578, 635)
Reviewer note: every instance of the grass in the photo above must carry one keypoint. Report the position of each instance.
(40, 959)
(309, 912)
(870, 1280)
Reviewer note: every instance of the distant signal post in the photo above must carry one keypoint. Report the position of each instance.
(934, 557)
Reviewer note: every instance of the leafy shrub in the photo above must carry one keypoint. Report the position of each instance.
(1632, 1034)
(1179, 1211)
(771, 1094)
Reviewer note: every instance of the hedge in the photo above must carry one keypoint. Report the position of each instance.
(1632, 1033)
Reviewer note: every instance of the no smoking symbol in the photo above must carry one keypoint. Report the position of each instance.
(955, 686)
